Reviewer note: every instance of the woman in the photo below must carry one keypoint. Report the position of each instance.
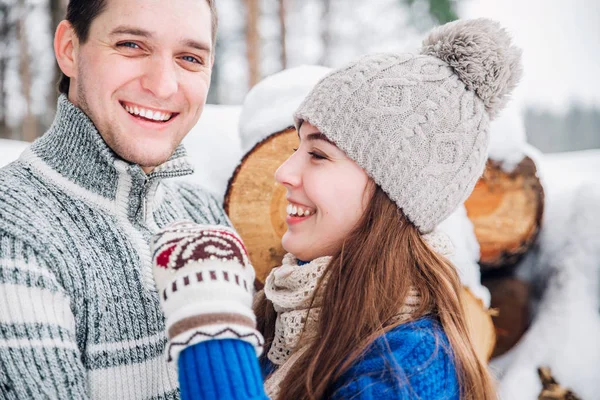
(390, 145)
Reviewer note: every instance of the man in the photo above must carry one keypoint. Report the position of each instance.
(79, 313)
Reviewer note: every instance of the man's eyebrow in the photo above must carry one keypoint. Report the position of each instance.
(318, 136)
(130, 30)
(202, 46)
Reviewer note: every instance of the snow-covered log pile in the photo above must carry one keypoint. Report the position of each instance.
(564, 273)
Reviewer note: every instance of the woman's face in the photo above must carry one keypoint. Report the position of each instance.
(327, 194)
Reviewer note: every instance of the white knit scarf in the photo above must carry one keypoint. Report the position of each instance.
(291, 288)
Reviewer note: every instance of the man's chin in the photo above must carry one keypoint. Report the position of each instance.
(146, 159)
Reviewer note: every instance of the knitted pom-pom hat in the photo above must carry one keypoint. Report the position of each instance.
(419, 124)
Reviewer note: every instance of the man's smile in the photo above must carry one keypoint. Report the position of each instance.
(148, 114)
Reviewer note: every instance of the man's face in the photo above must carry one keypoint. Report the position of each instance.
(143, 75)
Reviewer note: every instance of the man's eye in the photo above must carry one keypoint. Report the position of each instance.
(130, 45)
(192, 59)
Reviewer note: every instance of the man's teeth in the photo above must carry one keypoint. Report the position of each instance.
(298, 211)
(148, 114)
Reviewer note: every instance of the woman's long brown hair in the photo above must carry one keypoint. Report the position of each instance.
(367, 282)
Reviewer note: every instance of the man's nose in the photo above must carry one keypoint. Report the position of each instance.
(161, 78)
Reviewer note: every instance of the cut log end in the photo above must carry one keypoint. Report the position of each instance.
(255, 203)
(510, 299)
(480, 325)
(506, 211)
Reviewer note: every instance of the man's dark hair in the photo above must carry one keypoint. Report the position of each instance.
(81, 14)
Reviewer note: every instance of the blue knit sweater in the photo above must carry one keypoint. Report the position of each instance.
(412, 361)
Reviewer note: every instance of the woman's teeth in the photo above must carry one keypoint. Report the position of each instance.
(298, 211)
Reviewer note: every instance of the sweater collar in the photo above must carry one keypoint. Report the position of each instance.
(73, 152)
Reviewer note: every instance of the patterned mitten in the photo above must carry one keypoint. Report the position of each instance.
(205, 283)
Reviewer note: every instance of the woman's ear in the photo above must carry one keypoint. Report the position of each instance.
(66, 45)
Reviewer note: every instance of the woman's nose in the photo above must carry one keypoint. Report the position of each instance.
(289, 173)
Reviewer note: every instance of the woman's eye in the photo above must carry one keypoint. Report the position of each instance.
(317, 156)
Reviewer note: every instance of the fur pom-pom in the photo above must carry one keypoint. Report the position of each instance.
(481, 54)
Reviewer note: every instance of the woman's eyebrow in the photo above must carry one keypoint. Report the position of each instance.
(318, 136)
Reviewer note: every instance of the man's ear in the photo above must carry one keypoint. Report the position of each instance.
(66, 45)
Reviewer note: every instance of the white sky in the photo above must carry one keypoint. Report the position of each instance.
(561, 47)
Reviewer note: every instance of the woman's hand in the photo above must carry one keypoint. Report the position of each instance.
(205, 283)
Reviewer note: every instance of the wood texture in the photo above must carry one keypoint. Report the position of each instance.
(256, 203)
(506, 211)
(480, 325)
(510, 297)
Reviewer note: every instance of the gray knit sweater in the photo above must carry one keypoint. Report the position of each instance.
(79, 313)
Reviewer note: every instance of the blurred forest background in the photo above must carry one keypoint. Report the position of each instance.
(559, 97)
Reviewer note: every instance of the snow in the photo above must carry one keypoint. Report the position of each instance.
(214, 148)
(10, 150)
(269, 106)
(563, 172)
(566, 326)
(507, 137)
(460, 230)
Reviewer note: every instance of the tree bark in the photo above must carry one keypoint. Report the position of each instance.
(283, 33)
(253, 41)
